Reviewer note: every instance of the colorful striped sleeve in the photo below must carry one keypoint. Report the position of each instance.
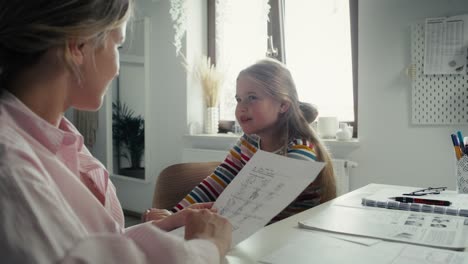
(213, 185)
(301, 149)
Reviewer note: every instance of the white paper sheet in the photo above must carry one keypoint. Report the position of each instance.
(365, 241)
(424, 255)
(313, 247)
(443, 231)
(446, 41)
(264, 187)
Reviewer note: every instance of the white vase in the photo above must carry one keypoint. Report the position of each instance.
(211, 120)
(327, 126)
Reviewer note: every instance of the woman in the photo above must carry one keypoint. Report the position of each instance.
(57, 203)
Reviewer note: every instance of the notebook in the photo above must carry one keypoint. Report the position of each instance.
(458, 207)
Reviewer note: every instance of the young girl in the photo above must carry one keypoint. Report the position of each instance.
(57, 203)
(274, 120)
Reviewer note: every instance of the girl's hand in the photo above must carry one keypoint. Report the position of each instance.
(154, 214)
(208, 205)
(168, 221)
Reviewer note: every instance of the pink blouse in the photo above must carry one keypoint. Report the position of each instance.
(57, 203)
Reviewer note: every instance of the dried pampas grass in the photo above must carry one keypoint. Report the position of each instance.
(210, 79)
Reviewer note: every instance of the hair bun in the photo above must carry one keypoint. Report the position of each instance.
(309, 111)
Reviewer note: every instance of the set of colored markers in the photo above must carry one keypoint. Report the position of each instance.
(460, 144)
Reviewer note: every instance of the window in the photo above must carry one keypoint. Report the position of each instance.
(318, 54)
(240, 41)
(315, 38)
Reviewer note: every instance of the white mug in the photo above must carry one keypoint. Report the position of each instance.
(327, 126)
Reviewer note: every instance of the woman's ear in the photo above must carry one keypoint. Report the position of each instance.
(76, 49)
(284, 107)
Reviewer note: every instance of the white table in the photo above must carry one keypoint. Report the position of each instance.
(275, 236)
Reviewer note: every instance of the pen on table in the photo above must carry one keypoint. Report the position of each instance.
(420, 201)
(460, 142)
(456, 146)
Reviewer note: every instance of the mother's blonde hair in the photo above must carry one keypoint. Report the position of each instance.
(277, 81)
(29, 28)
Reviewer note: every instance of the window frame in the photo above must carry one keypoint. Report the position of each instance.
(276, 30)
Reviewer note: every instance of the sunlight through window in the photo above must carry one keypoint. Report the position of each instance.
(318, 53)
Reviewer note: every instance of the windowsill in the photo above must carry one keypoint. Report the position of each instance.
(341, 149)
(338, 148)
(211, 141)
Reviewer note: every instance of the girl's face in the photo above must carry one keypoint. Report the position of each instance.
(257, 112)
(100, 66)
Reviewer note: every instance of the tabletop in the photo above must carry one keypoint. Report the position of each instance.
(318, 244)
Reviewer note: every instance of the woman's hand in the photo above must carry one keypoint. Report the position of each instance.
(205, 224)
(200, 220)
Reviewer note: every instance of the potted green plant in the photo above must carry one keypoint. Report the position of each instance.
(128, 132)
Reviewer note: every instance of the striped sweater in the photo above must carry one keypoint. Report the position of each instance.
(212, 186)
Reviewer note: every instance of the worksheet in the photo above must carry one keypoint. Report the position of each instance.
(424, 255)
(306, 247)
(445, 45)
(266, 185)
(262, 189)
(435, 230)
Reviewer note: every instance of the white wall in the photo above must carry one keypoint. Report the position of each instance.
(392, 150)
(166, 116)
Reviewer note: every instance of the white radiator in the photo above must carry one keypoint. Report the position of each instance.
(340, 166)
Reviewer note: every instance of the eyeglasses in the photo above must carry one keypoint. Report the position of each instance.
(429, 190)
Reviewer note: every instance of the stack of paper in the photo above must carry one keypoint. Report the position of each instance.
(443, 231)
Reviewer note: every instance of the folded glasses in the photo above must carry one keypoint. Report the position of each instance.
(429, 190)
